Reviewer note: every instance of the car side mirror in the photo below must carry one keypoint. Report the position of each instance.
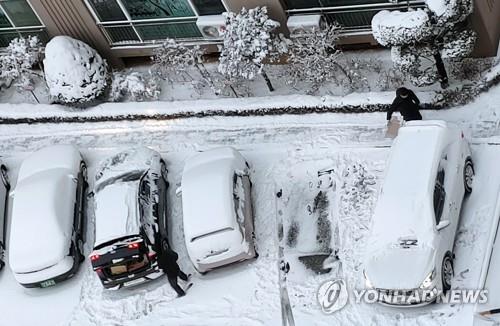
(442, 225)
(178, 192)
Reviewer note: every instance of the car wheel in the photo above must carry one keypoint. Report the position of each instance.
(447, 272)
(164, 245)
(5, 176)
(468, 175)
(81, 256)
(164, 170)
(83, 170)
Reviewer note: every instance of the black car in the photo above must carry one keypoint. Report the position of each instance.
(131, 218)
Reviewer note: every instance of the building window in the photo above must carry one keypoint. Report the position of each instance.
(17, 19)
(351, 14)
(147, 21)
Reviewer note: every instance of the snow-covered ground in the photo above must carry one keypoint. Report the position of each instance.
(285, 152)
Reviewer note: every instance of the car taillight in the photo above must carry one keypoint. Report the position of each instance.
(94, 257)
(134, 245)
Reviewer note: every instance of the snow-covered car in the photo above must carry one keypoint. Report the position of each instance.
(130, 196)
(217, 209)
(4, 191)
(410, 255)
(48, 218)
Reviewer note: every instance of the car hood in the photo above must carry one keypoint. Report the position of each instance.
(127, 163)
(400, 268)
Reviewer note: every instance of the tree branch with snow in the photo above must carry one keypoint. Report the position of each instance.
(248, 43)
(420, 37)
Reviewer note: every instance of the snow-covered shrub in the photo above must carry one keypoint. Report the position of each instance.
(18, 61)
(401, 28)
(75, 72)
(422, 36)
(172, 58)
(248, 42)
(135, 86)
(313, 56)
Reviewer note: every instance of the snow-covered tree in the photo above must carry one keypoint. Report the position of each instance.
(248, 43)
(313, 56)
(421, 38)
(75, 73)
(173, 58)
(18, 61)
(135, 86)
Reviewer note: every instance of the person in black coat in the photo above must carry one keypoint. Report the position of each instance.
(167, 261)
(407, 103)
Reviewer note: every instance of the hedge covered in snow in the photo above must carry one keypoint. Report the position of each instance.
(75, 72)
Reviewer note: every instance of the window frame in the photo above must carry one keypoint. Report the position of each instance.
(19, 30)
(133, 23)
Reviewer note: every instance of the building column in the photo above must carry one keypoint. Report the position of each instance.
(275, 9)
(486, 22)
(72, 18)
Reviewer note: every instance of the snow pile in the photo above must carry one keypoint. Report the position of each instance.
(439, 7)
(398, 28)
(135, 87)
(75, 72)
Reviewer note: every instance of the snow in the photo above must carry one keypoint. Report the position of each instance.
(39, 213)
(397, 28)
(284, 152)
(209, 215)
(75, 73)
(303, 22)
(42, 217)
(64, 157)
(116, 212)
(439, 7)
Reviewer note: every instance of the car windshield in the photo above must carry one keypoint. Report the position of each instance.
(125, 177)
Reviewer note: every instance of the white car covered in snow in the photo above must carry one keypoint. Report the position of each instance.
(410, 255)
(217, 209)
(4, 191)
(47, 228)
(130, 218)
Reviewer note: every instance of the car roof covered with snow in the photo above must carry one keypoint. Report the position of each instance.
(116, 212)
(43, 210)
(207, 191)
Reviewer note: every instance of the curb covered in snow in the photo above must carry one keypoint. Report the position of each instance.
(254, 106)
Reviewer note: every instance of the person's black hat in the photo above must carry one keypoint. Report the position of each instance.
(402, 91)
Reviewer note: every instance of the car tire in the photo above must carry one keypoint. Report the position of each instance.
(81, 256)
(5, 176)
(163, 170)
(447, 272)
(468, 175)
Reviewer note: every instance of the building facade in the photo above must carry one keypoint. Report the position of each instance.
(132, 28)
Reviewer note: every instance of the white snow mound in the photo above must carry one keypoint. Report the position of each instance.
(400, 28)
(75, 72)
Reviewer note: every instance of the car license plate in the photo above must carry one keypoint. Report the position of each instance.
(46, 284)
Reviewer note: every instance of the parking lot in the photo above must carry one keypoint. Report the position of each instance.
(350, 159)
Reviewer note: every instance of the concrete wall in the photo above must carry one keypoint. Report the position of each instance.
(72, 18)
(486, 22)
